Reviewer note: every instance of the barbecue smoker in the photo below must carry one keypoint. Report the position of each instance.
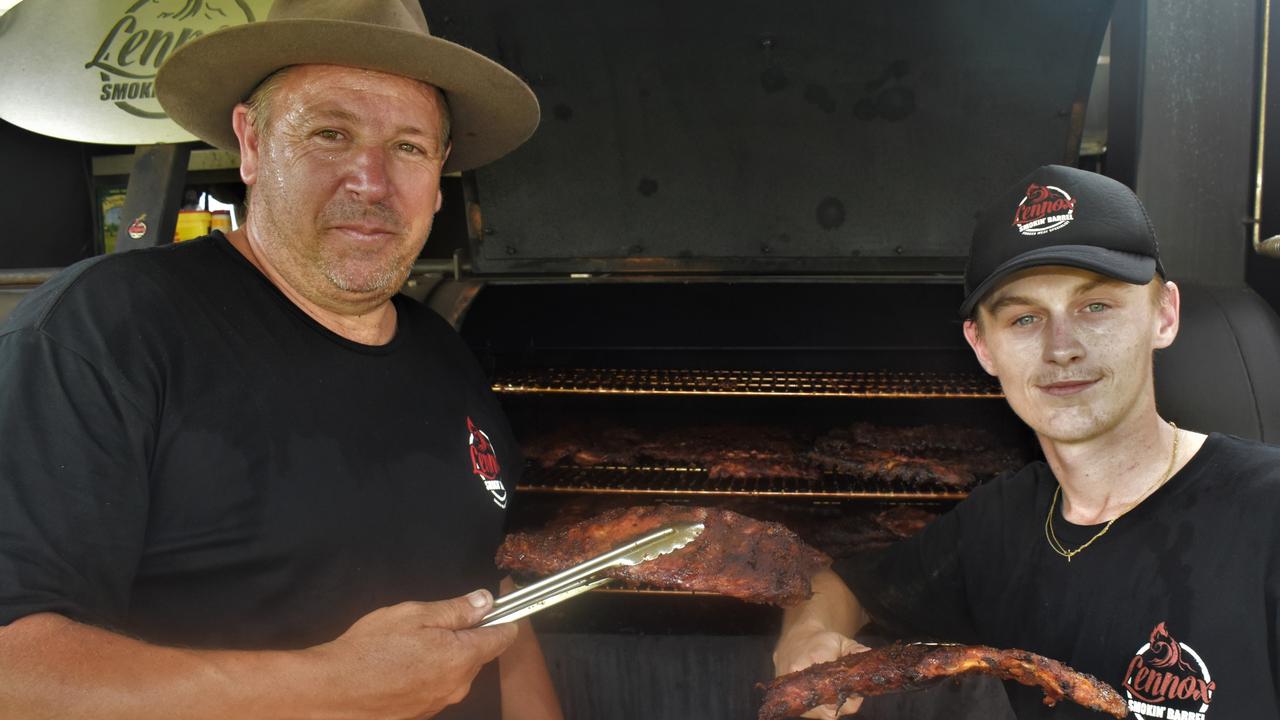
(742, 226)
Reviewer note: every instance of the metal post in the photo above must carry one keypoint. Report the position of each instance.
(1124, 99)
(154, 195)
(1270, 246)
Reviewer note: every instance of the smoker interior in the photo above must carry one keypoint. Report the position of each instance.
(801, 355)
(666, 360)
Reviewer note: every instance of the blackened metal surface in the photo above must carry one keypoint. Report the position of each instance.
(747, 383)
(1195, 158)
(636, 677)
(1221, 373)
(1124, 102)
(905, 327)
(763, 136)
(711, 677)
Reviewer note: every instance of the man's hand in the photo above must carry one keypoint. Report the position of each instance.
(413, 659)
(819, 630)
(405, 661)
(804, 646)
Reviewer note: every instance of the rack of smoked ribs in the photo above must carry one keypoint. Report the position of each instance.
(860, 460)
(838, 531)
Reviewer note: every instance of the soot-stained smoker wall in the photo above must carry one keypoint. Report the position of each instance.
(771, 137)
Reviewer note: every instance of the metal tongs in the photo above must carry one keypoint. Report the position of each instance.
(581, 578)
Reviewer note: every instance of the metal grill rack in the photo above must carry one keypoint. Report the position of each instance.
(697, 482)
(783, 383)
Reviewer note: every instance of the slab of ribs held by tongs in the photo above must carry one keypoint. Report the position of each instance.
(695, 549)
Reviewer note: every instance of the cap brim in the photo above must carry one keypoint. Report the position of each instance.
(492, 110)
(1124, 266)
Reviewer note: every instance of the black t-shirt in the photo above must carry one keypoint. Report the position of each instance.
(1177, 606)
(189, 458)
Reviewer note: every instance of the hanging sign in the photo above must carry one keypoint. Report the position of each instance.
(86, 70)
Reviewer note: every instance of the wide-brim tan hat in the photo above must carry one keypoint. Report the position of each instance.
(199, 85)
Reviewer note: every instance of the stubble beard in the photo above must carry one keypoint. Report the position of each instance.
(349, 271)
(1077, 424)
(386, 277)
(1080, 421)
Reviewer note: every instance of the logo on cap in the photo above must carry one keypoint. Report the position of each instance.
(1044, 209)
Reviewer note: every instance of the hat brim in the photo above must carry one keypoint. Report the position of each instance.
(1124, 266)
(492, 110)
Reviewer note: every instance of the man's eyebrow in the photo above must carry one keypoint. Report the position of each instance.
(413, 130)
(327, 113)
(1003, 301)
(1100, 282)
(323, 113)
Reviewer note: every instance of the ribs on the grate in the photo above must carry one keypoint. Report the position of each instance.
(900, 668)
(941, 455)
(734, 555)
(726, 451)
(890, 466)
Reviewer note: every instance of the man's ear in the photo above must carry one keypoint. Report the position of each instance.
(974, 337)
(439, 192)
(248, 137)
(1168, 317)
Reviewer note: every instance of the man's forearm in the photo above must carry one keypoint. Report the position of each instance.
(821, 628)
(52, 667)
(832, 608)
(411, 659)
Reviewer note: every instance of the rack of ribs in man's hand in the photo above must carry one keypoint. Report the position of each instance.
(734, 555)
(901, 668)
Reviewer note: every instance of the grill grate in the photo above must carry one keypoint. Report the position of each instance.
(696, 482)
(798, 383)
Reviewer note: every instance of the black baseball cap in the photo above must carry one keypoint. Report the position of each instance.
(1061, 215)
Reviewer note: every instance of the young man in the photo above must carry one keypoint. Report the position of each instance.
(241, 477)
(1140, 552)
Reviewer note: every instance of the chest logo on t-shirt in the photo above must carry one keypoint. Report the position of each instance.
(484, 463)
(1168, 680)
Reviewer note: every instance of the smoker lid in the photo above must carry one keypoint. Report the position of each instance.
(805, 136)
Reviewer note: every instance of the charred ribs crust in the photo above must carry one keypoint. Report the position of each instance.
(901, 668)
(735, 555)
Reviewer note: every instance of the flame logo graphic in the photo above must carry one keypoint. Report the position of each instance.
(1165, 652)
(484, 461)
(1037, 193)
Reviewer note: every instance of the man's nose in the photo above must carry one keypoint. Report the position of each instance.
(1062, 344)
(368, 178)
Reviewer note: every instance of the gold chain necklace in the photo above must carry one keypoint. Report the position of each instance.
(1059, 548)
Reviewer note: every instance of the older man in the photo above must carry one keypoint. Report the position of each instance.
(1140, 552)
(242, 477)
